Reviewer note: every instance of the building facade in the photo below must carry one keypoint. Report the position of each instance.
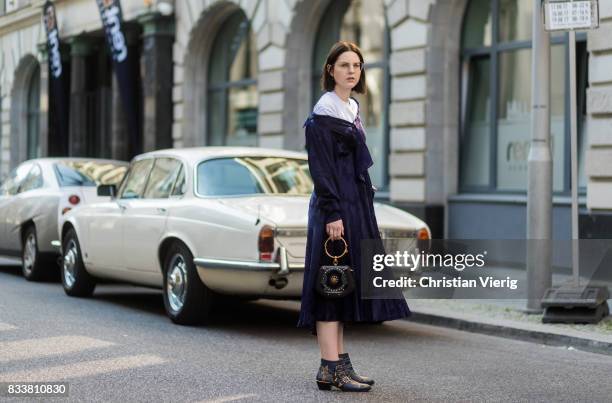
(447, 110)
(95, 123)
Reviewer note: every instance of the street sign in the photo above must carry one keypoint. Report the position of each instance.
(570, 304)
(564, 15)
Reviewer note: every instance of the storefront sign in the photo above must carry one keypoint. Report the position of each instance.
(53, 44)
(112, 20)
(562, 15)
(57, 87)
(513, 150)
(110, 11)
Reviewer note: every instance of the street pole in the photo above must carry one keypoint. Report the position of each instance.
(569, 303)
(574, 156)
(539, 190)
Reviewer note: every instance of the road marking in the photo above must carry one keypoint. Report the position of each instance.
(38, 348)
(82, 369)
(229, 398)
(6, 326)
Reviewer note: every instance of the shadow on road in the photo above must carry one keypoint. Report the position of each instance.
(226, 312)
(12, 269)
(263, 319)
(134, 298)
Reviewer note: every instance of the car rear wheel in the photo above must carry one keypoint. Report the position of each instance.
(186, 299)
(75, 279)
(32, 263)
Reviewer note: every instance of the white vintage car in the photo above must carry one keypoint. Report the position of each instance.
(198, 222)
(35, 194)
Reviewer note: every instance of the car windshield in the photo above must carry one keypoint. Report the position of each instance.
(89, 173)
(254, 175)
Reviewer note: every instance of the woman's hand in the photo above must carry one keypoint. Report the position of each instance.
(335, 229)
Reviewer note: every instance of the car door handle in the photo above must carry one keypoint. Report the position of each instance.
(161, 210)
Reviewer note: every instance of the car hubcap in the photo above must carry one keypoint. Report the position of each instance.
(29, 253)
(70, 259)
(176, 279)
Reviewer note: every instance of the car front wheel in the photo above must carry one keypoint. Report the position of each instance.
(186, 299)
(75, 279)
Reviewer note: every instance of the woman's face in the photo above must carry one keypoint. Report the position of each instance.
(347, 70)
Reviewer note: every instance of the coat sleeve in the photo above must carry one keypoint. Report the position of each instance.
(320, 148)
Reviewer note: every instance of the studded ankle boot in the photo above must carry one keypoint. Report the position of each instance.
(346, 361)
(333, 373)
(325, 376)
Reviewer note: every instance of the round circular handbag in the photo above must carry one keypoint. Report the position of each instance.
(334, 281)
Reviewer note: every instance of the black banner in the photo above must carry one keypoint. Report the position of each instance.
(112, 17)
(58, 120)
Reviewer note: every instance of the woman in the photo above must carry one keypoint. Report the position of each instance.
(340, 206)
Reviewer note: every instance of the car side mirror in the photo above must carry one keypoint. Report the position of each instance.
(107, 190)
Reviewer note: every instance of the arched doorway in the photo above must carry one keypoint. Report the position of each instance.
(233, 75)
(232, 84)
(25, 110)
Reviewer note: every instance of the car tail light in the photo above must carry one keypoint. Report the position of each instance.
(74, 199)
(266, 243)
(423, 234)
(66, 209)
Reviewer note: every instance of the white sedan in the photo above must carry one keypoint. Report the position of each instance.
(36, 194)
(198, 222)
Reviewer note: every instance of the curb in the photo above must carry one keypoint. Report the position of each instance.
(551, 339)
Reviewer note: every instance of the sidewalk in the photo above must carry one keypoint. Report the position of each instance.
(503, 318)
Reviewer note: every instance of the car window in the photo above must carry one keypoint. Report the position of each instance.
(226, 176)
(179, 186)
(89, 173)
(134, 186)
(34, 180)
(162, 178)
(15, 178)
(252, 175)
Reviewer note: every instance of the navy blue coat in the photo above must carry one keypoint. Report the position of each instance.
(338, 159)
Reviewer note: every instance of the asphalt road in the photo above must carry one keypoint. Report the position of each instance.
(119, 346)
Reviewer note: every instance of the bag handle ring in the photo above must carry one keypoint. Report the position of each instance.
(336, 257)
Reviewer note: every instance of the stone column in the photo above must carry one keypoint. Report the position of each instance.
(271, 22)
(156, 69)
(119, 132)
(598, 156)
(79, 49)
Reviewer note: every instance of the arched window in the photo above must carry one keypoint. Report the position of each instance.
(33, 112)
(232, 87)
(496, 98)
(362, 22)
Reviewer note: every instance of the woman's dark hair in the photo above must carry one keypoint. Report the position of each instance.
(327, 81)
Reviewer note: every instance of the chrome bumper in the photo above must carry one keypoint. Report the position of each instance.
(281, 267)
(275, 279)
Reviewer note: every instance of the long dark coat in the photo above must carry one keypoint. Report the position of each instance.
(338, 159)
